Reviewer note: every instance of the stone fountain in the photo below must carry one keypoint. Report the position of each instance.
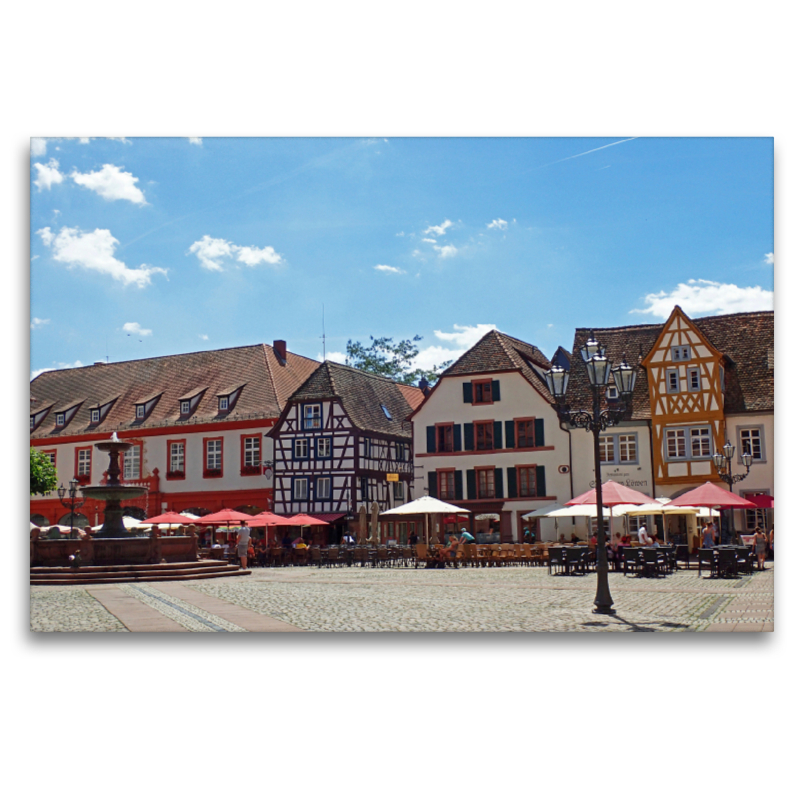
(113, 492)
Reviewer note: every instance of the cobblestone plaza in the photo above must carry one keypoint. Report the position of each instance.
(509, 599)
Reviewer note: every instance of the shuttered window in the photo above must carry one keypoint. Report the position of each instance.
(485, 482)
(484, 436)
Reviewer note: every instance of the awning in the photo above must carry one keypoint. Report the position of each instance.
(761, 500)
(329, 517)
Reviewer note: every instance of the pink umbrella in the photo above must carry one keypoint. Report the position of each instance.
(268, 518)
(614, 494)
(713, 496)
(170, 518)
(304, 519)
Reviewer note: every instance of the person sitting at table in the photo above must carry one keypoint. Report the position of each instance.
(261, 553)
(615, 548)
(625, 540)
(593, 540)
(286, 542)
(300, 544)
(574, 539)
(708, 536)
(526, 536)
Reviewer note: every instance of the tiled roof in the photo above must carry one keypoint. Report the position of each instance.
(747, 339)
(268, 385)
(362, 394)
(499, 352)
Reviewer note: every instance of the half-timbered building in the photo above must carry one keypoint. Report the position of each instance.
(701, 382)
(344, 440)
(197, 422)
(487, 438)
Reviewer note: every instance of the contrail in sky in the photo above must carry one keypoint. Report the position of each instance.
(588, 151)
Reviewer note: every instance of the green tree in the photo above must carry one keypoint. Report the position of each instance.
(43, 473)
(392, 360)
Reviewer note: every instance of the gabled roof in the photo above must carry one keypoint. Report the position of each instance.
(746, 339)
(499, 352)
(362, 396)
(268, 386)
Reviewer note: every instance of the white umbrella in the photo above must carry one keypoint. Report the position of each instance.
(426, 505)
(128, 522)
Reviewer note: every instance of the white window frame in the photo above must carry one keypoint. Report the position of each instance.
(177, 456)
(60, 420)
(85, 461)
(617, 442)
(312, 416)
(700, 434)
(223, 404)
(324, 447)
(95, 415)
(214, 454)
(750, 429)
(323, 482)
(694, 372)
(251, 453)
(676, 373)
(186, 407)
(300, 489)
(398, 492)
(300, 449)
(140, 411)
(132, 463)
(682, 352)
(679, 438)
(612, 393)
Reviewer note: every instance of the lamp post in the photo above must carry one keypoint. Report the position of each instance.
(73, 502)
(723, 462)
(596, 421)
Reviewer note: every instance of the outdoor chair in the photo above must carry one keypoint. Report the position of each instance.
(575, 561)
(315, 557)
(527, 554)
(631, 561)
(332, 557)
(422, 555)
(682, 554)
(652, 563)
(384, 558)
(360, 555)
(407, 556)
(744, 560)
(275, 557)
(726, 564)
(705, 556)
(555, 560)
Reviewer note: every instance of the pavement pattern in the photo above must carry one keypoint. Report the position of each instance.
(519, 599)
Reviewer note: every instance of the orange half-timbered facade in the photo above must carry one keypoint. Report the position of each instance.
(338, 441)
(197, 422)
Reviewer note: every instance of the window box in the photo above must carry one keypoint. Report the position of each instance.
(212, 473)
(175, 475)
(83, 480)
(250, 469)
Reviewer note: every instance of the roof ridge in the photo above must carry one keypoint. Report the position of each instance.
(264, 352)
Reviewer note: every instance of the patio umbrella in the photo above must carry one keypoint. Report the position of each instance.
(374, 537)
(362, 525)
(224, 517)
(129, 522)
(169, 518)
(304, 520)
(268, 518)
(612, 494)
(762, 500)
(425, 506)
(711, 495)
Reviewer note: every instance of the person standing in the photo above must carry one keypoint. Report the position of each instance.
(760, 547)
(243, 544)
(644, 539)
(709, 539)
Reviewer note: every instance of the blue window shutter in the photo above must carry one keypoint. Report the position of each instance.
(467, 386)
(433, 489)
(471, 490)
(541, 489)
(469, 436)
(457, 438)
(431, 431)
(498, 482)
(510, 443)
(512, 481)
(459, 484)
(495, 391)
(538, 432)
(497, 444)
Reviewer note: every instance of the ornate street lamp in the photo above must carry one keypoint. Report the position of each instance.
(598, 366)
(723, 461)
(73, 502)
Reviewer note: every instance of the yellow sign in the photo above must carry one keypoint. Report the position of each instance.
(392, 477)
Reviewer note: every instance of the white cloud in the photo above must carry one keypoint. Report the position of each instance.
(137, 329)
(196, 140)
(111, 183)
(438, 230)
(448, 251)
(701, 297)
(60, 365)
(456, 344)
(37, 323)
(84, 139)
(769, 258)
(498, 223)
(38, 146)
(204, 337)
(416, 254)
(388, 269)
(47, 175)
(119, 139)
(339, 358)
(94, 250)
(402, 233)
(213, 252)
(430, 241)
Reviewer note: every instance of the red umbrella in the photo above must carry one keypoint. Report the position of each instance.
(713, 496)
(304, 519)
(761, 500)
(613, 493)
(170, 518)
(224, 517)
(268, 518)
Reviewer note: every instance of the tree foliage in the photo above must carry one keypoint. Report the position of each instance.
(392, 360)
(43, 473)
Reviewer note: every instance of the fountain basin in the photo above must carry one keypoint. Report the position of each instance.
(113, 527)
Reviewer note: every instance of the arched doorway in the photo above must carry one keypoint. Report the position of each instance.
(133, 511)
(78, 520)
(40, 521)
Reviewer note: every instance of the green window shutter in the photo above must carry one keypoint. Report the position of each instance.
(433, 489)
(498, 436)
(471, 490)
(495, 391)
(467, 391)
(431, 431)
(469, 436)
(538, 432)
(541, 488)
(459, 484)
(510, 443)
(498, 482)
(512, 481)
(457, 438)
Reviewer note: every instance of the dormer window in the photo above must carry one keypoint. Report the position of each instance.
(612, 393)
(223, 404)
(95, 415)
(140, 411)
(185, 406)
(59, 420)
(145, 405)
(682, 353)
(33, 421)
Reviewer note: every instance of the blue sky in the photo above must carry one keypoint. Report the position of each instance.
(151, 246)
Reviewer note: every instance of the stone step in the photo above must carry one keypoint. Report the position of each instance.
(72, 577)
(131, 567)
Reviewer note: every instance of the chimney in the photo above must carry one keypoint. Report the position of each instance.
(423, 384)
(279, 346)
